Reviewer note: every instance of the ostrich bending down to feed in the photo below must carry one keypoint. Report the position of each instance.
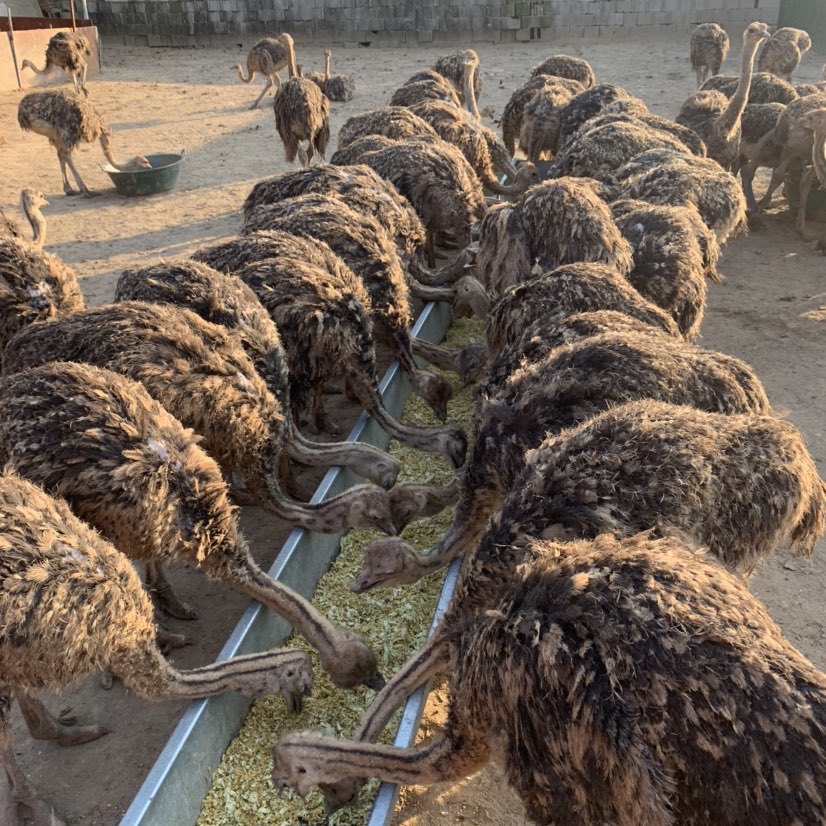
(323, 312)
(394, 122)
(567, 67)
(425, 85)
(66, 120)
(370, 253)
(67, 51)
(783, 51)
(267, 57)
(359, 187)
(708, 47)
(571, 384)
(71, 604)
(645, 465)
(764, 88)
(225, 300)
(199, 372)
(716, 118)
(131, 470)
(548, 680)
(302, 113)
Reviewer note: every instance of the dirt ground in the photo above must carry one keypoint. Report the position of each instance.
(165, 100)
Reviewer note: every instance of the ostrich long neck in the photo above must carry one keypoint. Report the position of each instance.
(240, 70)
(819, 154)
(731, 116)
(327, 60)
(292, 68)
(38, 224)
(28, 64)
(106, 145)
(470, 91)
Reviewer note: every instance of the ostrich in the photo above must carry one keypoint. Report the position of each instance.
(788, 146)
(30, 203)
(436, 178)
(359, 187)
(35, 285)
(338, 88)
(479, 145)
(323, 312)
(662, 176)
(369, 251)
(565, 66)
(669, 244)
(394, 122)
(67, 51)
(598, 151)
(714, 117)
(66, 120)
(267, 57)
(72, 603)
(302, 113)
(513, 112)
(199, 372)
(539, 121)
(549, 680)
(131, 470)
(783, 51)
(709, 47)
(570, 385)
(816, 121)
(426, 85)
(353, 153)
(557, 222)
(765, 87)
(758, 120)
(461, 69)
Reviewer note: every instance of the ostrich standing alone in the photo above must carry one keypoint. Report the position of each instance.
(709, 47)
(267, 57)
(66, 120)
(715, 118)
(67, 50)
(302, 113)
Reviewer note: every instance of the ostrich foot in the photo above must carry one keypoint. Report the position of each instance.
(755, 220)
(43, 726)
(106, 679)
(164, 596)
(88, 193)
(167, 640)
(322, 423)
(69, 191)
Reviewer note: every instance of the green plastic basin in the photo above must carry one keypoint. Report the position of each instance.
(166, 166)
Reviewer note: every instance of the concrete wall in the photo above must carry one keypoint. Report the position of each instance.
(391, 22)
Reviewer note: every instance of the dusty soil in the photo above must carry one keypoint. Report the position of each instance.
(163, 100)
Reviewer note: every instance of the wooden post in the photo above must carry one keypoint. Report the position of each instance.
(14, 51)
(72, 7)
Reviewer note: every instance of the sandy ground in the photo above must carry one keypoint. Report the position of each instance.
(165, 100)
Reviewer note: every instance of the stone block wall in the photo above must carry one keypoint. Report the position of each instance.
(394, 22)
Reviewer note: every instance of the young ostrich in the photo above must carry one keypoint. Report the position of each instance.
(642, 466)
(67, 51)
(359, 187)
(267, 57)
(670, 246)
(570, 385)
(302, 113)
(437, 179)
(568, 67)
(716, 118)
(539, 120)
(816, 121)
(394, 122)
(598, 151)
(662, 176)
(461, 70)
(66, 120)
(569, 709)
(131, 470)
(73, 604)
(199, 372)
(765, 87)
(557, 222)
(323, 312)
(788, 146)
(35, 285)
(759, 119)
(370, 253)
(228, 302)
(708, 48)
(425, 85)
(338, 88)
(782, 52)
(514, 110)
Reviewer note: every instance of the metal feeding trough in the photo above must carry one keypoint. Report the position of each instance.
(176, 785)
(161, 177)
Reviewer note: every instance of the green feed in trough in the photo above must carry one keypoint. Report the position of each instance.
(166, 166)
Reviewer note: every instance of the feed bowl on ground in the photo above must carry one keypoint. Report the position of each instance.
(163, 175)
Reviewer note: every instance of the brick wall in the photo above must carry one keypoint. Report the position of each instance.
(391, 22)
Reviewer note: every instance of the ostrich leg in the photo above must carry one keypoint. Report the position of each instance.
(805, 190)
(23, 804)
(83, 80)
(263, 92)
(85, 189)
(67, 187)
(43, 726)
(163, 594)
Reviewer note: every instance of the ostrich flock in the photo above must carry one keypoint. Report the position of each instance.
(620, 485)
